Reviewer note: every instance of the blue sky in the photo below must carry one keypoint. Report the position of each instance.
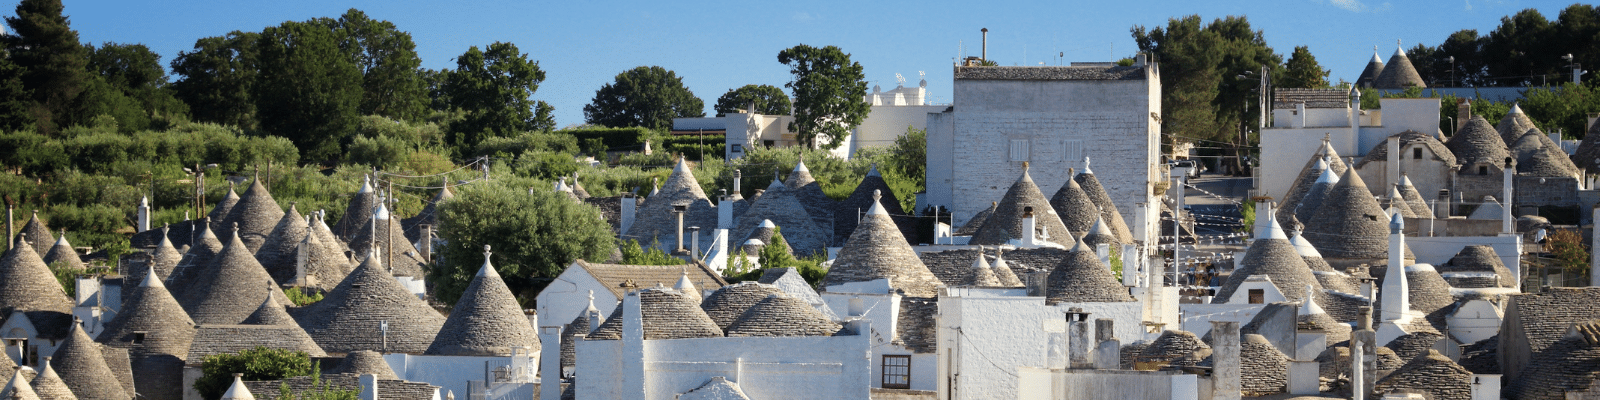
(719, 45)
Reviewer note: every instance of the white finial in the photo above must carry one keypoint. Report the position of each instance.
(150, 278)
(1303, 246)
(487, 269)
(1308, 305)
(1274, 231)
(877, 206)
(980, 263)
(591, 301)
(1328, 177)
(1086, 169)
(238, 391)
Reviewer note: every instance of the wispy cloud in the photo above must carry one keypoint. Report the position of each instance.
(801, 17)
(1469, 5)
(1349, 5)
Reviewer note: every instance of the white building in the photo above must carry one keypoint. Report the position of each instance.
(1053, 118)
(1302, 118)
(893, 111)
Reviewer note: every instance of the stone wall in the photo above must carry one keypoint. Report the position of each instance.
(1536, 191)
(387, 389)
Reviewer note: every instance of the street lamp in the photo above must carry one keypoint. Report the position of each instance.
(1452, 61)
(1577, 69)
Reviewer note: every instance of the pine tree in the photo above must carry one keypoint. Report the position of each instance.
(54, 63)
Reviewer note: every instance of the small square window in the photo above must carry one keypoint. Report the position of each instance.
(738, 148)
(1416, 153)
(138, 337)
(1258, 296)
(1019, 150)
(1482, 170)
(896, 372)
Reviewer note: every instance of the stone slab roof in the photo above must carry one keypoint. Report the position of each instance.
(1546, 160)
(782, 315)
(877, 251)
(430, 213)
(148, 309)
(62, 252)
(1477, 142)
(1587, 155)
(654, 218)
(1076, 210)
(18, 388)
(348, 317)
(953, 267)
(486, 321)
(1566, 365)
(1432, 374)
(82, 366)
(398, 253)
(1546, 316)
(366, 362)
(1380, 152)
(1398, 73)
(1479, 258)
(277, 251)
(358, 213)
(256, 214)
(38, 234)
(230, 339)
(818, 205)
(644, 276)
(1278, 260)
(326, 263)
(848, 212)
(1411, 345)
(27, 284)
(48, 385)
(1173, 345)
(665, 314)
(977, 221)
(231, 289)
(784, 207)
(1350, 224)
(1293, 200)
(1371, 72)
(1514, 124)
(165, 258)
(1082, 278)
(1005, 224)
(725, 305)
(1063, 73)
(194, 263)
(916, 326)
(1108, 209)
(1482, 357)
(1287, 98)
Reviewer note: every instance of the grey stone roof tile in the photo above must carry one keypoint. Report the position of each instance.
(49, 386)
(276, 254)
(1514, 124)
(795, 285)
(1398, 73)
(1005, 224)
(486, 321)
(1349, 224)
(62, 252)
(1108, 209)
(654, 219)
(1432, 374)
(977, 221)
(1287, 98)
(231, 289)
(1295, 200)
(1568, 364)
(348, 317)
(224, 206)
(782, 315)
(230, 339)
(1276, 258)
(83, 368)
(430, 213)
(165, 258)
(150, 323)
(38, 234)
(847, 212)
(1371, 72)
(725, 305)
(1082, 278)
(27, 284)
(1477, 142)
(1380, 152)
(366, 362)
(614, 276)
(358, 213)
(195, 262)
(1479, 258)
(256, 214)
(1173, 345)
(18, 388)
(665, 314)
(398, 253)
(1074, 207)
(1587, 155)
(877, 251)
(1482, 357)
(818, 205)
(1064, 73)
(784, 207)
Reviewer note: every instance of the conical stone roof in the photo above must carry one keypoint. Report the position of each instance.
(165, 258)
(783, 206)
(1274, 256)
(18, 388)
(1523, 146)
(1325, 158)
(224, 206)
(1002, 270)
(1349, 224)
(150, 310)
(1397, 203)
(398, 253)
(727, 303)
(982, 274)
(1101, 234)
(1371, 72)
(325, 265)
(366, 362)
(1082, 278)
(1435, 375)
(782, 315)
(1313, 198)
(26, 283)
(847, 212)
(1108, 209)
(1547, 160)
(83, 368)
(1587, 156)
(818, 205)
(256, 215)
(324, 233)
(1414, 198)
(1514, 125)
(1477, 142)
(487, 321)
(1429, 294)
(655, 220)
(977, 220)
(38, 234)
(276, 254)
(430, 212)
(347, 319)
(1074, 207)
(579, 326)
(1005, 224)
(231, 289)
(767, 233)
(1174, 345)
(358, 214)
(876, 251)
(48, 385)
(62, 252)
(1479, 258)
(665, 314)
(194, 262)
(1398, 73)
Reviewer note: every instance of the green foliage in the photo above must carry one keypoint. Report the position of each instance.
(301, 298)
(1248, 209)
(308, 90)
(14, 100)
(1116, 264)
(1204, 97)
(903, 166)
(1302, 71)
(257, 364)
(379, 152)
(1570, 255)
(776, 255)
(1563, 107)
(535, 235)
(132, 87)
(387, 59)
(633, 254)
(494, 89)
(615, 139)
(512, 146)
(54, 64)
(768, 100)
(647, 97)
(319, 390)
(829, 94)
(696, 148)
(217, 75)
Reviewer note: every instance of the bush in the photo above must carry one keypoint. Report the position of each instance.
(512, 146)
(633, 254)
(615, 139)
(257, 364)
(534, 237)
(377, 151)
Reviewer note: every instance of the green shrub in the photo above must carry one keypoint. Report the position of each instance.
(534, 235)
(257, 364)
(615, 139)
(633, 254)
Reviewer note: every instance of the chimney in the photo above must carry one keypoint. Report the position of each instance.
(679, 210)
(1300, 115)
(1507, 222)
(426, 242)
(694, 242)
(737, 176)
(144, 214)
(1226, 368)
(1463, 114)
(1027, 226)
(628, 203)
(1079, 347)
(1108, 350)
(1441, 209)
(986, 44)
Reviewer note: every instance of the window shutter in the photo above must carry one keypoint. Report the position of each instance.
(1072, 151)
(1019, 150)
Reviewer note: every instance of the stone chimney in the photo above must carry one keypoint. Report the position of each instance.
(1226, 369)
(1108, 350)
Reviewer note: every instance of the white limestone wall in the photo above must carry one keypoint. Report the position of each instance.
(1197, 317)
(984, 339)
(814, 367)
(1421, 115)
(1284, 152)
(1315, 117)
(1111, 121)
(568, 295)
(449, 373)
(941, 168)
(884, 124)
(1044, 384)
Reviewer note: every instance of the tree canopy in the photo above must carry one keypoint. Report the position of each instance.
(308, 90)
(535, 234)
(494, 90)
(54, 63)
(768, 100)
(644, 96)
(829, 94)
(1302, 71)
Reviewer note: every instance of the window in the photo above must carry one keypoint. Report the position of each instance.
(1072, 151)
(738, 148)
(1019, 150)
(1416, 153)
(1258, 296)
(896, 372)
(768, 143)
(138, 338)
(1482, 170)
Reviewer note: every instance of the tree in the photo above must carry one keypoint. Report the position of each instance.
(390, 80)
(768, 99)
(257, 364)
(643, 96)
(307, 90)
(54, 63)
(829, 94)
(544, 117)
(1303, 71)
(217, 79)
(132, 87)
(535, 235)
(14, 98)
(1521, 48)
(494, 89)
(634, 254)
(1210, 76)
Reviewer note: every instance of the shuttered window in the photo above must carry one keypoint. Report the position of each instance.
(1019, 150)
(1072, 150)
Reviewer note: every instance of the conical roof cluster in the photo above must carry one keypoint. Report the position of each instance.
(1431, 373)
(656, 221)
(1100, 234)
(1514, 125)
(1477, 142)
(18, 388)
(325, 263)
(818, 205)
(358, 214)
(230, 289)
(579, 326)
(38, 234)
(727, 303)
(165, 258)
(430, 212)
(665, 314)
(1294, 201)
(1074, 207)
(1429, 293)
(63, 253)
(82, 367)
(783, 206)
(348, 317)
(982, 274)
(767, 233)
(1544, 157)
(1414, 198)
(1002, 270)
(49, 386)
(1587, 156)
(26, 283)
(1272, 254)
(790, 281)
(876, 251)
(1021, 200)
(277, 254)
(782, 315)
(1398, 73)
(150, 310)
(256, 214)
(194, 262)
(1349, 224)
(1102, 200)
(1174, 345)
(486, 321)
(846, 214)
(1082, 278)
(397, 253)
